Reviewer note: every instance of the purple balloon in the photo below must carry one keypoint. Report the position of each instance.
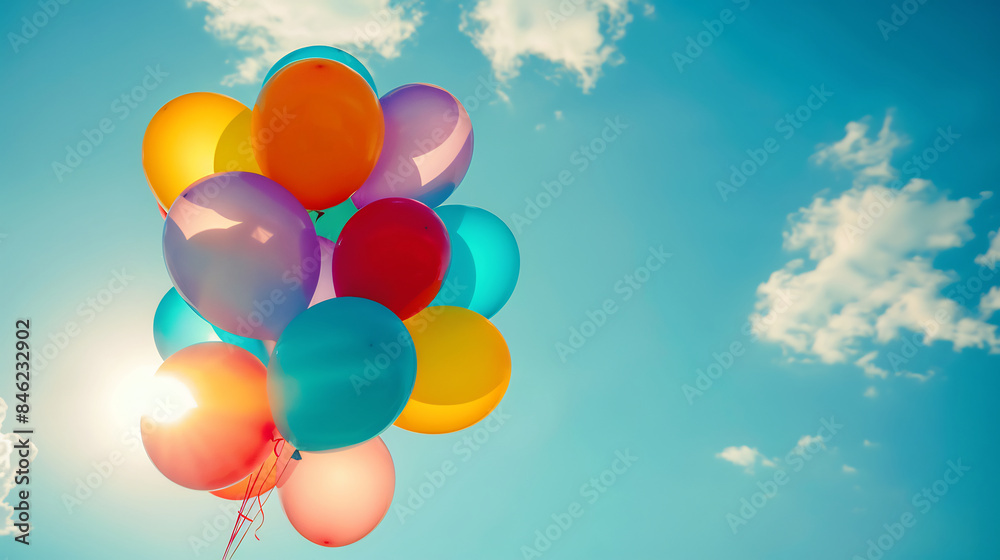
(427, 147)
(243, 252)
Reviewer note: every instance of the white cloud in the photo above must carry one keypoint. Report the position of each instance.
(8, 466)
(744, 456)
(871, 392)
(267, 30)
(921, 377)
(868, 443)
(578, 37)
(559, 115)
(849, 469)
(870, 158)
(866, 363)
(806, 441)
(989, 258)
(990, 303)
(869, 274)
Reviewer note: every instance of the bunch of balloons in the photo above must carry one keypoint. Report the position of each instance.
(320, 292)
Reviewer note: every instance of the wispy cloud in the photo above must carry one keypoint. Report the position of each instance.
(989, 258)
(578, 38)
(744, 456)
(265, 31)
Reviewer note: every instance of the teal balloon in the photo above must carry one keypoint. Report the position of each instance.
(329, 53)
(340, 374)
(485, 261)
(177, 325)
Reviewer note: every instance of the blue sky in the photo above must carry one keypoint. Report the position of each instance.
(845, 291)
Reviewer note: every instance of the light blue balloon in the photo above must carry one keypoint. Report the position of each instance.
(177, 325)
(340, 374)
(323, 51)
(485, 261)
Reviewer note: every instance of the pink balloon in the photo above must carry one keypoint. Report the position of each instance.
(324, 288)
(427, 147)
(335, 498)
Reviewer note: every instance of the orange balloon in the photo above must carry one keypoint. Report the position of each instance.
(264, 477)
(335, 498)
(317, 130)
(212, 423)
(180, 142)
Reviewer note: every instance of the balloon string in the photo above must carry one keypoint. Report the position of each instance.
(279, 445)
(245, 531)
(252, 483)
(241, 516)
(260, 507)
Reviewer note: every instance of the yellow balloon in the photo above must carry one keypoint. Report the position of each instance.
(463, 369)
(235, 151)
(180, 142)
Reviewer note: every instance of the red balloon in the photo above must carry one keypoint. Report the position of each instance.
(394, 251)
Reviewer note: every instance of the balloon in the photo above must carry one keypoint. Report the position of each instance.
(234, 152)
(163, 213)
(243, 252)
(180, 142)
(463, 369)
(340, 374)
(176, 325)
(212, 423)
(484, 260)
(331, 221)
(324, 288)
(319, 130)
(264, 477)
(427, 147)
(338, 497)
(323, 51)
(394, 251)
